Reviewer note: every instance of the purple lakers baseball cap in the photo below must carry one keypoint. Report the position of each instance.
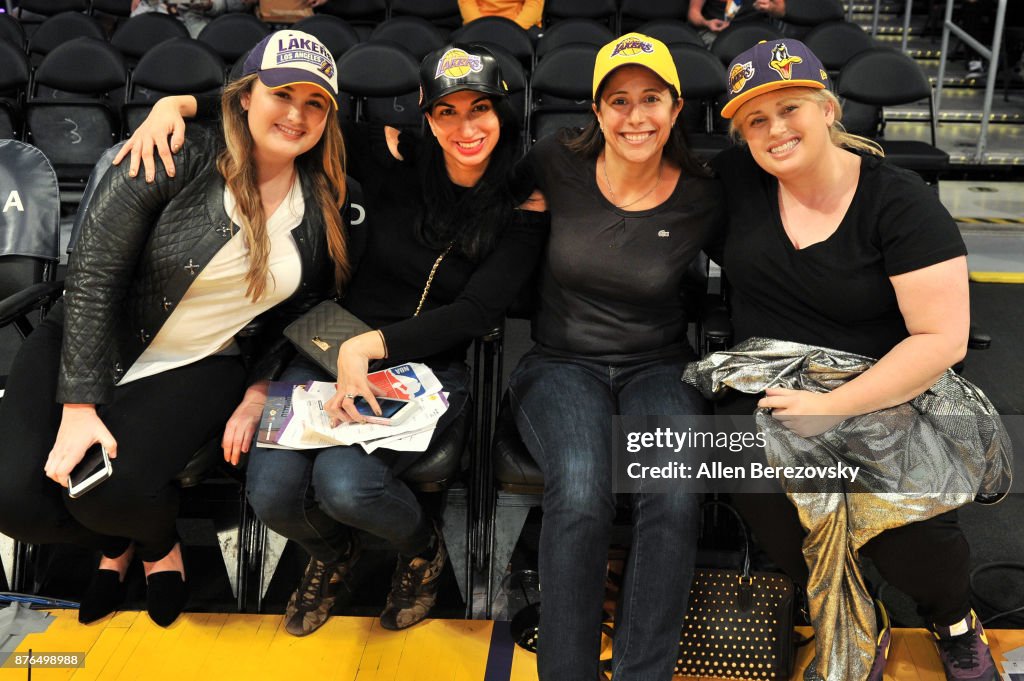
(772, 65)
(290, 57)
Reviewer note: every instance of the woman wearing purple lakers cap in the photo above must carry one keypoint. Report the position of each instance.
(140, 356)
(831, 246)
(437, 209)
(630, 209)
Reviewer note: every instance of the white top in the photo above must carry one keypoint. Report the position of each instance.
(215, 307)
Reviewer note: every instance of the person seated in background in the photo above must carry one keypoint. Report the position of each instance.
(526, 13)
(711, 17)
(140, 354)
(195, 14)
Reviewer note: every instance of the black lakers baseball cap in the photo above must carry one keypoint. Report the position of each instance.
(289, 57)
(458, 67)
(772, 65)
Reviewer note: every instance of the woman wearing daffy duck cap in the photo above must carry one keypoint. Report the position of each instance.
(829, 245)
(630, 209)
(437, 209)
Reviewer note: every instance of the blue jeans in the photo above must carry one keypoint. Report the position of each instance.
(315, 496)
(563, 409)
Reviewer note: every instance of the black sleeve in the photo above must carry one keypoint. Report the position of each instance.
(207, 107)
(492, 288)
(914, 228)
(116, 228)
(367, 155)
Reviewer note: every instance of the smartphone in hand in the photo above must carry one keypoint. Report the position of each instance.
(93, 469)
(392, 411)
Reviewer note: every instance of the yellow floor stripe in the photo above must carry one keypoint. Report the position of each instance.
(226, 647)
(998, 277)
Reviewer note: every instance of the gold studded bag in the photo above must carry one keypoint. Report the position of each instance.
(739, 624)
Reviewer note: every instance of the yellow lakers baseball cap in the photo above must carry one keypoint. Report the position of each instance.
(638, 49)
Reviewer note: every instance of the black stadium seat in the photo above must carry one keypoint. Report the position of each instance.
(442, 13)
(883, 77)
(573, 31)
(74, 130)
(51, 7)
(499, 31)
(384, 78)
(11, 31)
(362, 15)
(142, 33)
(670, 31)
(632, 13)
(233, 35)
(560, 98)
(417, 35)
(836, 42)
(176, 66)
(334, 32)
(741, 37)
(604, 11)
(702, 78)
(59, 29)
(14, 78)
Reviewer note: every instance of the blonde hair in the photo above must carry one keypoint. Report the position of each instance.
(324, 165)
(837, 133)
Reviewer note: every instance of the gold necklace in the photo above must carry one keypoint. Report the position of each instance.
(608, 183)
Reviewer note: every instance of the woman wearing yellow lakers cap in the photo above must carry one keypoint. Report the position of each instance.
(630, 209)
(830, 246)
(139, 357)
(438, 209)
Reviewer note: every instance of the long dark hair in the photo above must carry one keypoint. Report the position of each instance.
(590, 142)
(472, 218)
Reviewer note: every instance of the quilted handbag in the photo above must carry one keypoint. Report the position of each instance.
(739, 624)
(320, 332)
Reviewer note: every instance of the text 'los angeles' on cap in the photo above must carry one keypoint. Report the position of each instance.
(290, 57)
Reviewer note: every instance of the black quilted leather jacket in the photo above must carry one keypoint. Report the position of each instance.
(141, 246)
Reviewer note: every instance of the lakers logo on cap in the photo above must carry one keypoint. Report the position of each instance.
(739, 75)
(456, 63)
(327, 68)
(632, 46)
(782, 63)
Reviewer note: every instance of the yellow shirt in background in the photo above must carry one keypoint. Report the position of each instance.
(526, 13)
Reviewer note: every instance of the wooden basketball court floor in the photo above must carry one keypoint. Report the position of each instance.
(228, 647)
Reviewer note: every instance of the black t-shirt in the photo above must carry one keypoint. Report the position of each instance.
(466, 299)
(835, 293)
(612, 280)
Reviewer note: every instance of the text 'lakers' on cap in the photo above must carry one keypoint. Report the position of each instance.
(458, 67)
(772, 65)
(638, 49)
(289, 57)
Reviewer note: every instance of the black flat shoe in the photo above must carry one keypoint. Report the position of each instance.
(105, 594)
(166, 593)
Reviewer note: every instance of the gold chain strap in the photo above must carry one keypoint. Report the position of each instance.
(430, 279)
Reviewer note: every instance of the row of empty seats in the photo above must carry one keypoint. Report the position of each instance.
(85, 94)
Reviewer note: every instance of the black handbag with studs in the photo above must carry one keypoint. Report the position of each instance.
(739, 624)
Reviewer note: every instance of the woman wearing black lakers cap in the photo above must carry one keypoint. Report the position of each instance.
(630, 209)
(830, 246)
(437, 207)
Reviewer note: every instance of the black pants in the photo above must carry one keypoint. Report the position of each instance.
(159, 422)
(927, 560)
